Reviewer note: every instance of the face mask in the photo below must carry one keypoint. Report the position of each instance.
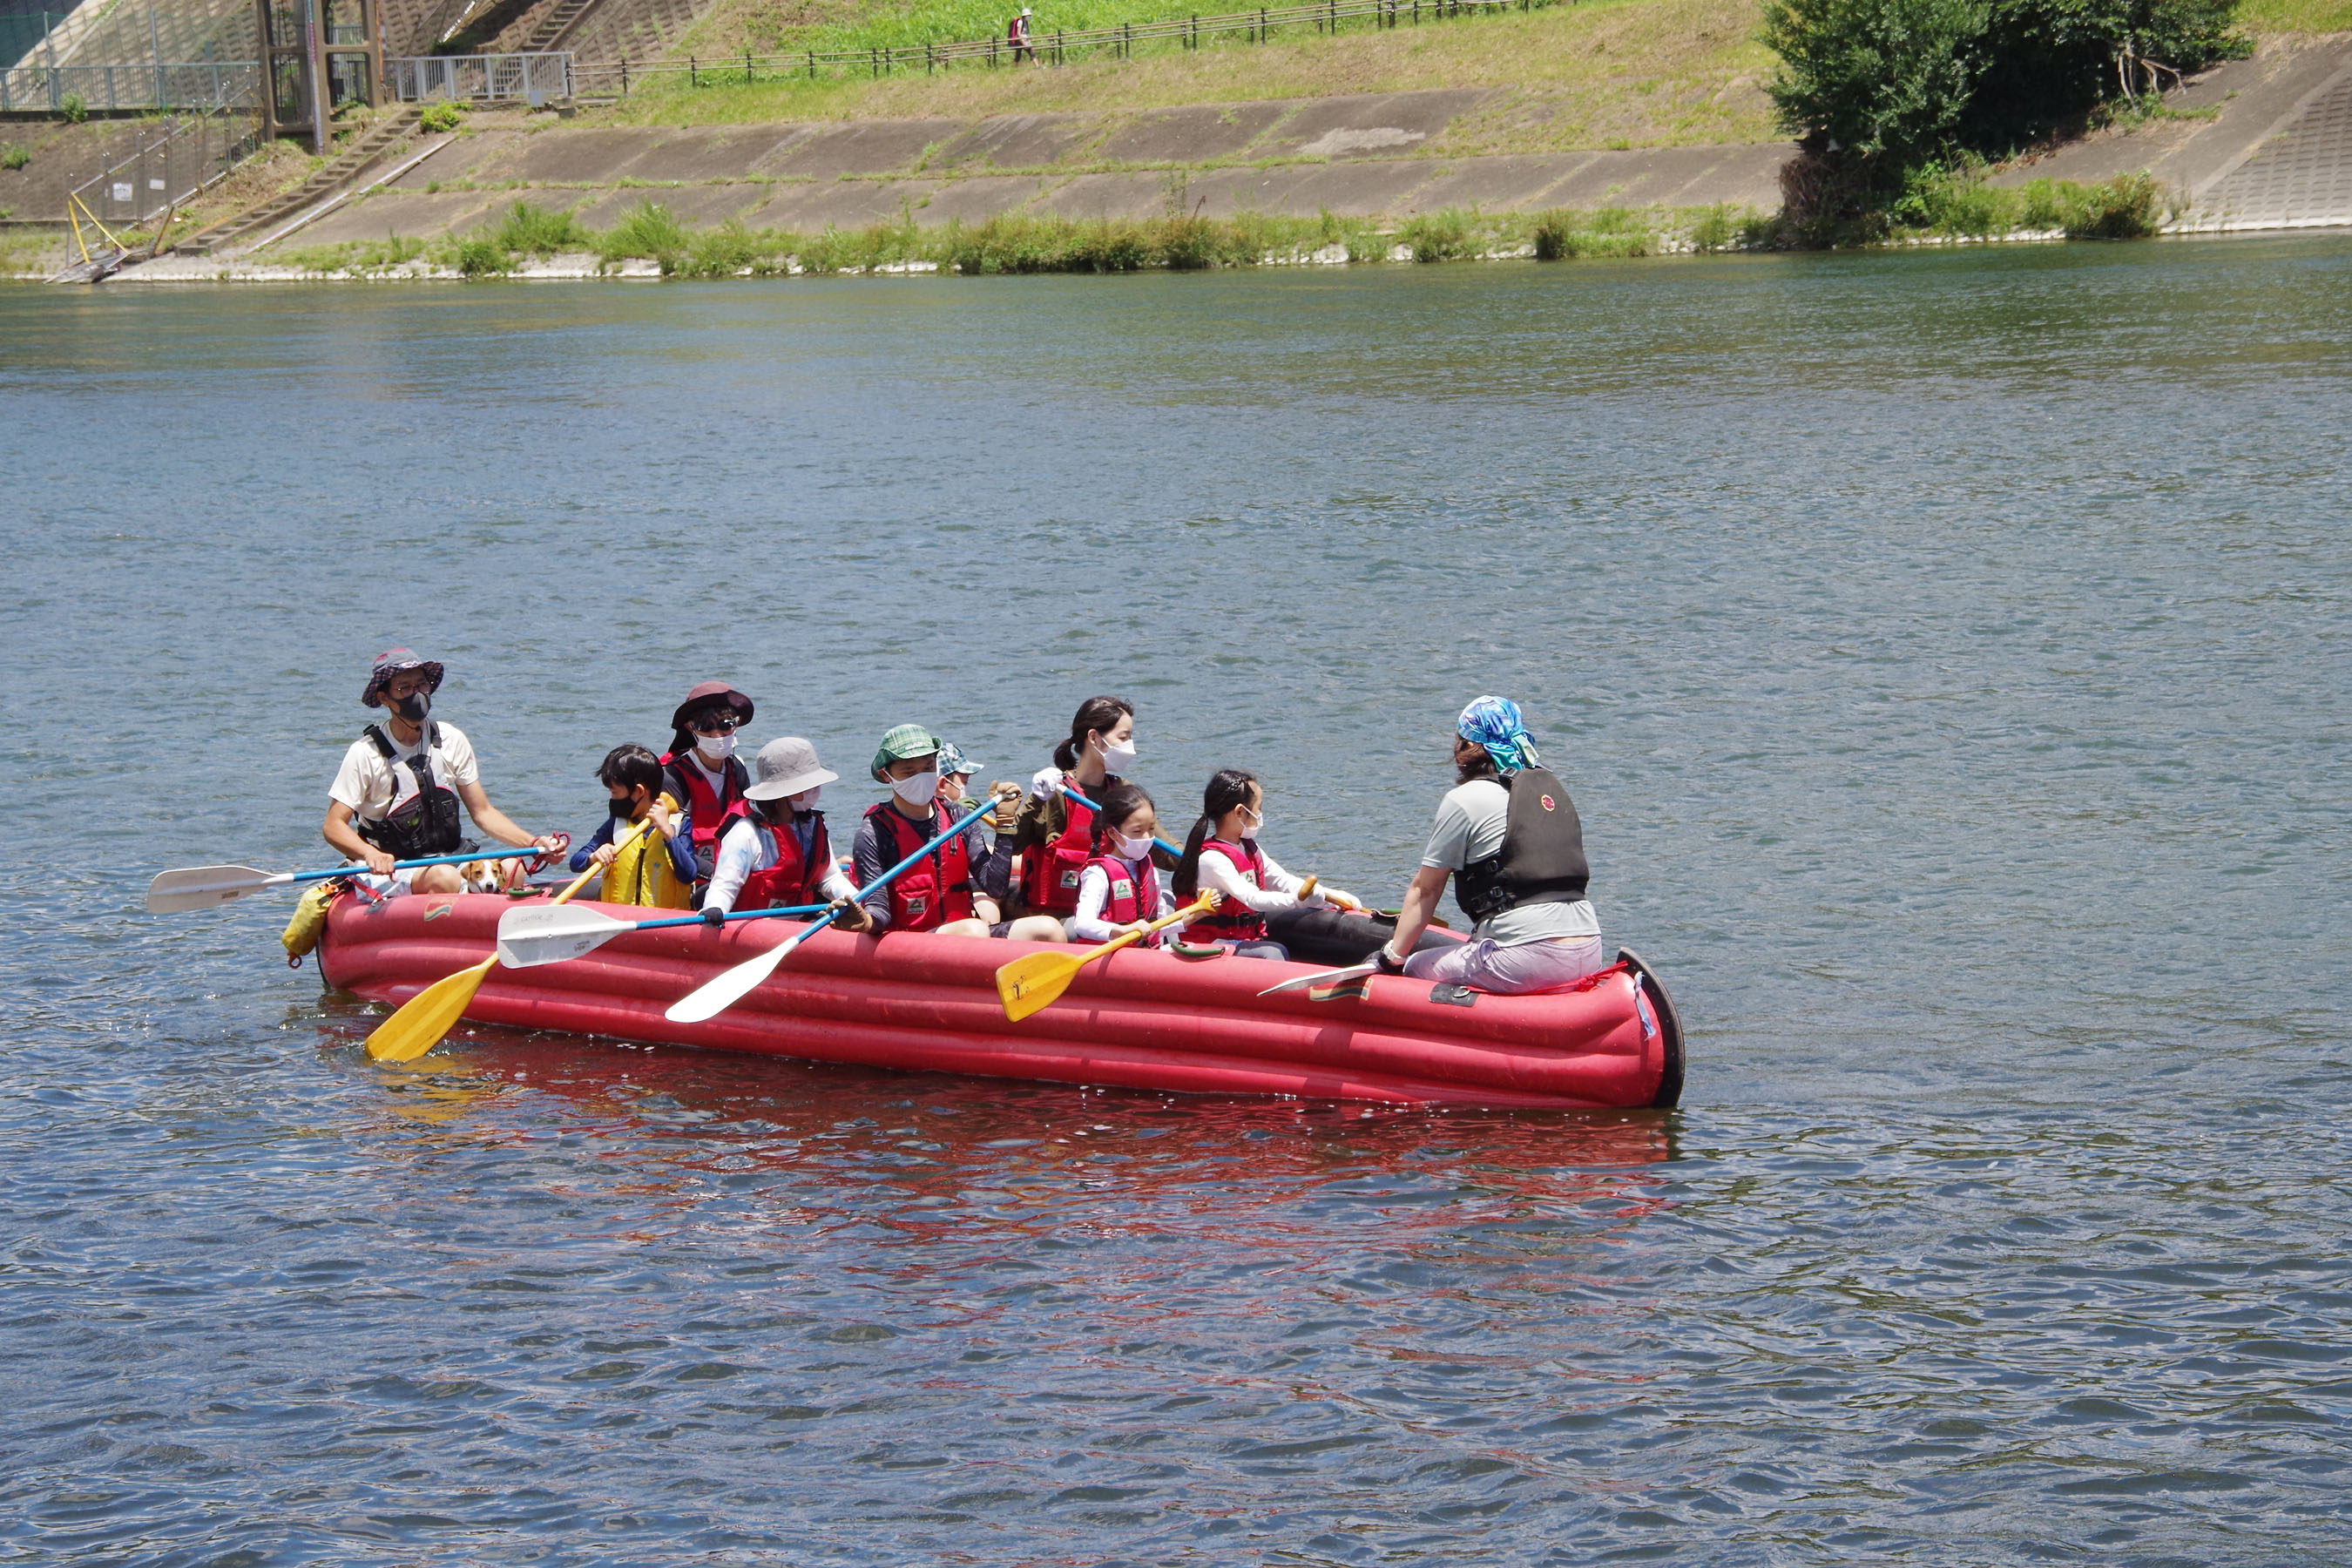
(717, 748)
(1131, 848)
(1251, 827)
(1118, 756)
(624, 809)
(414, 707)
(919, 790)
(806, 800)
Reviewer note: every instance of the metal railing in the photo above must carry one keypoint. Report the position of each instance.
(532, 78)
(1055, 49)
(143, 85)
(165, 172)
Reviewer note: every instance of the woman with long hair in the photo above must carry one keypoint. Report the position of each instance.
(1053, 836)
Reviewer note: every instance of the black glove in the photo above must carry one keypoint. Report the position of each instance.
(714, 918)
(1389, 965)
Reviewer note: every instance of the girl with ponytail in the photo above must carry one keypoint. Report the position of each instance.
(1053, 836)
(1119, 890)
(1223, 853)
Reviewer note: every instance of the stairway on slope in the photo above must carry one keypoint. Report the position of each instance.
(601, 32)
(370, 147)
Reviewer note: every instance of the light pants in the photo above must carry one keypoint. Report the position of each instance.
(1509, 970)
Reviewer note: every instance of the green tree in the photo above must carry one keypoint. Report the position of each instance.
(1881, 84)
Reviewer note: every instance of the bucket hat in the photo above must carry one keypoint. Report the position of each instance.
(709, 694)
(391, 662)
(786, 765)
(906, 740)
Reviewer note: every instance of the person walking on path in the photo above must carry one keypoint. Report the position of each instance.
(1016, 33)
(397, 794)
(1508, 831)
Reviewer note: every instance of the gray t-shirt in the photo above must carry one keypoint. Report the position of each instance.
(1470, 822)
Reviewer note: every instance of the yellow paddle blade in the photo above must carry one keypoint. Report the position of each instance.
(424, 1018)
(1026, 985)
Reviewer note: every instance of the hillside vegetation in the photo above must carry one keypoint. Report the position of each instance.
(1611, 73)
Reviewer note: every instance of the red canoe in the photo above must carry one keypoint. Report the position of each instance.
(1140, 1019)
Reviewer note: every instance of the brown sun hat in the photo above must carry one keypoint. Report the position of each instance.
(391, 662)
(709, 694)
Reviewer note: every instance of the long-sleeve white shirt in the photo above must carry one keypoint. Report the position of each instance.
(1094, 891)
(744, 849)
(1276, 888)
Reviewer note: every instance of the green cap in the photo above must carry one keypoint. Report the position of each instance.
(906, 740)
(953, 761)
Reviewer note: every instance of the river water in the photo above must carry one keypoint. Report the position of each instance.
(1947, 653)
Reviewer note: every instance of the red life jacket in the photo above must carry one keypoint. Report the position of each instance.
(1233, 920)
(793, 879)
(933, 890)
(708, 814)
(1134, 893)
(1049, 871)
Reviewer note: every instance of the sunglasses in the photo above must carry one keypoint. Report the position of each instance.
(716, 724)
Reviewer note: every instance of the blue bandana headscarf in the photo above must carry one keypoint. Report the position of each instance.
(1494, 723)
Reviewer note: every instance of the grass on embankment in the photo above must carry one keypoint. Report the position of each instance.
(1017, 243)
(2296, 15)
(2130, 206)
(1610, 73)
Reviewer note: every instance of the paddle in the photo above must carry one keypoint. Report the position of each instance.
(421, 1021)
(1028, 984)
(1303, 888)
(1308, 982)
(715, 996)
(206, 887)
(1090, 805)
(532, 934)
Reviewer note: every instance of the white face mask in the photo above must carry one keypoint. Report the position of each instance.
(1119, 756)
(916, 790)
(1131, 848)
(1252, 825)
(806, 800)
(717, 748)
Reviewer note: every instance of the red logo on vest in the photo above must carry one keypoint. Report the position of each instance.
(1547, 802)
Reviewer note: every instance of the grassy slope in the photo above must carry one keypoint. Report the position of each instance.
(1633, 72)
(2297, 15)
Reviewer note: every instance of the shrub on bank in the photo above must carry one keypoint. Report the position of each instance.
(1885, 94)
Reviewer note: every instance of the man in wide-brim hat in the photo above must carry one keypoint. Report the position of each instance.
(397, 795)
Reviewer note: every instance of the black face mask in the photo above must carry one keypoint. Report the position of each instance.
(624, 809)
(414, 707)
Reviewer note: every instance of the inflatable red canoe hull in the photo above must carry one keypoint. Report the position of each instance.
(1141, 1019)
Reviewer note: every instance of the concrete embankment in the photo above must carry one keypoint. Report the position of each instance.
(1371, 155)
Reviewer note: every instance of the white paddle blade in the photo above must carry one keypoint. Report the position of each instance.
(550, 933)
(207, 887)
(1304, 980)
(716, 996)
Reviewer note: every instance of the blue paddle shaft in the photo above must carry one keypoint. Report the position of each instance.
(887, 878)
(523, 852)
(731, 914)
(1090, 805)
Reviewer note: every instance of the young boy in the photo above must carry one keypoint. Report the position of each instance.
(654, 868)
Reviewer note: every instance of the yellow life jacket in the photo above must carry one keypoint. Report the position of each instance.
(640, 874)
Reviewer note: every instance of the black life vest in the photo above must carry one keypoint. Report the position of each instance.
(424, 825)
(1542, 858)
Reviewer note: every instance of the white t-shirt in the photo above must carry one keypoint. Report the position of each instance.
(369, 784)
(1470, 823)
